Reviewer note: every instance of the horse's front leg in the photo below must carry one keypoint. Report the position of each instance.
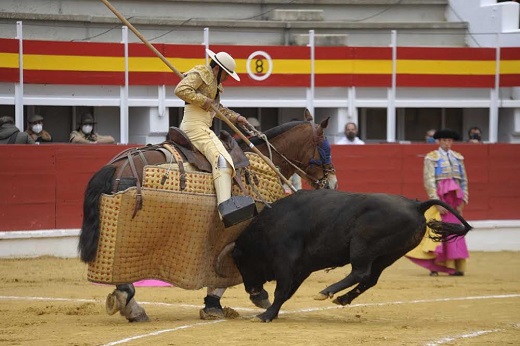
(122, 300)
(212, 309)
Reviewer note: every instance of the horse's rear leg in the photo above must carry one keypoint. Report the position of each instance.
(122, 300)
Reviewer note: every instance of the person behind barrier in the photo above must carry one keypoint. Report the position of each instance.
(200, 90)
(10, 134)
(351, 135)
(474, 135)
(428, 137)
(445, 179)
(85, 133)
(35, 130)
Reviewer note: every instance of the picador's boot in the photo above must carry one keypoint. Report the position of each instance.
(232, 210)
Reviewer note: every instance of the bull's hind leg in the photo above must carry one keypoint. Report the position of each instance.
(377, 268)
(357, 274)
(122, 300)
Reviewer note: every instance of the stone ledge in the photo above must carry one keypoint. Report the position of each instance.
(255, 24)
(321, 39)
(296, 15)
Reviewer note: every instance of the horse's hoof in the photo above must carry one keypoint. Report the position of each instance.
(142, 317)
(211, 314)
(115, 302)
(322, 296)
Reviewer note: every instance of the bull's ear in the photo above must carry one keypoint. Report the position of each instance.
(307, 115)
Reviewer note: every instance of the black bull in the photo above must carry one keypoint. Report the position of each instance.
(314, 230)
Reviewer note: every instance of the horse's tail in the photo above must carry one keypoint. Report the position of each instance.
(101, 182)
(444, 230)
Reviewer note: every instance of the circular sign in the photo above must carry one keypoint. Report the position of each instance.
(261, 72)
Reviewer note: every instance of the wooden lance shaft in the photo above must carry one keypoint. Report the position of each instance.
(181, 76)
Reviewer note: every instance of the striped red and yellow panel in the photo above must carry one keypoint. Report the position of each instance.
(53, 62)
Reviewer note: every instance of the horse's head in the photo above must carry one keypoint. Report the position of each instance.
(317, 166)
(301, 147)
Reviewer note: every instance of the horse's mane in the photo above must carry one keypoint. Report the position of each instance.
(274, 132)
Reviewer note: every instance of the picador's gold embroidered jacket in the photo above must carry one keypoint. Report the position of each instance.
(200, 84)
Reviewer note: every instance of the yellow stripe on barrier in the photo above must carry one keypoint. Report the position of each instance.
(444, 67)
(9, 60)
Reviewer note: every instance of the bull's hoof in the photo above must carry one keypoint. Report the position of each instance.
(115, 302)
(211, 314)
(257, 319)
(341, 301)
(323, 296)
(260, 300)
(230, 313)
(265, 317)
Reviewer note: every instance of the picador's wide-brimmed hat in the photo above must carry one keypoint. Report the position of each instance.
(446, 133)
(225, 61)
(87, 119)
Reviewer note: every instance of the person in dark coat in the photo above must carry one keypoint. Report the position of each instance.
(10, 134)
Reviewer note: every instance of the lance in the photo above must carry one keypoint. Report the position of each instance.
(181, 76)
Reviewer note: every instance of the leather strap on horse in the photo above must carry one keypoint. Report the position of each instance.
(139, 196)
(180, 163)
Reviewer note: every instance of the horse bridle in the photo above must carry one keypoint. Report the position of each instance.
(324, 162)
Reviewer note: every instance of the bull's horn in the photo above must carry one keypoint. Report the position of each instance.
(218, 263)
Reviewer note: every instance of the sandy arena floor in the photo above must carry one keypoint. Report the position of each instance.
(48, 301)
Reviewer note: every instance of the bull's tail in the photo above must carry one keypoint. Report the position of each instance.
(444, 230)
(101, 182)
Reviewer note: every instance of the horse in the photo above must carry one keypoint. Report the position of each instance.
(296, 147)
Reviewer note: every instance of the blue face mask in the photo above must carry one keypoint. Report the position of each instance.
(430, 140)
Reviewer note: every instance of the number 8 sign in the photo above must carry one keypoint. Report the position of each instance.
(259, 59)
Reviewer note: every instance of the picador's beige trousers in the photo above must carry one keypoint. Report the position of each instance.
(196, 124)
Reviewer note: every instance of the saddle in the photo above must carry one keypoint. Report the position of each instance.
(195, 157)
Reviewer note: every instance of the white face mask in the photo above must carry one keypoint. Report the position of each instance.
(37, 128)
(86, 129)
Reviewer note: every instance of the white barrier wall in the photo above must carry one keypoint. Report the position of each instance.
(487, 21)
(488, 235)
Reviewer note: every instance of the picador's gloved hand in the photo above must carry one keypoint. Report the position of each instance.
(207, 105)
(243, 122)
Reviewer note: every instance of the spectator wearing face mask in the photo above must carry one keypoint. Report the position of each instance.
(474, 135)
(85, 133)
(35, 130)
(351, 132)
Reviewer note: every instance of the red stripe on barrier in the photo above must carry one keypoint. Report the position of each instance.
(510, 53)
(9, 45)
(74, 77)
(10, 75)
(445, 53)
(448, 81)
(73, 48)
(509, 80)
